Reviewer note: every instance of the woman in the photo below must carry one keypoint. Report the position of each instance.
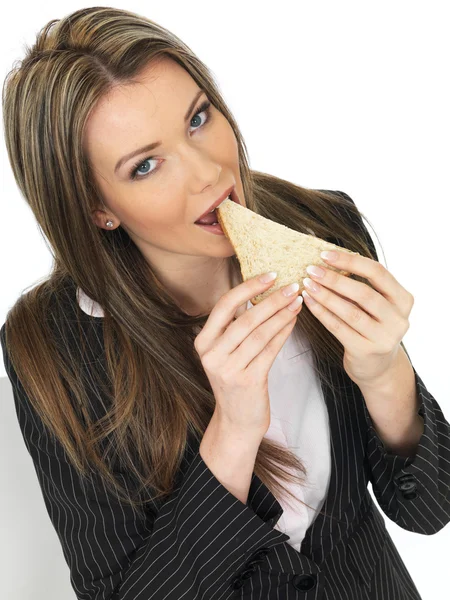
(140, 379)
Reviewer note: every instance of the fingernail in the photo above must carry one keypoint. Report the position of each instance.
(291, 289)
(294, 305)
(330, 256)
(268, 277)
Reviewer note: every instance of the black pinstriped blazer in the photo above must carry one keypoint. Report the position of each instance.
(204, 543)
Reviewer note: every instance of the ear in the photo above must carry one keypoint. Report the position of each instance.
(100, 217)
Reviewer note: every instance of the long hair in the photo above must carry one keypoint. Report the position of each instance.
(148, 379)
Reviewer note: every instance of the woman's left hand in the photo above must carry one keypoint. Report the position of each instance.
(370, 323)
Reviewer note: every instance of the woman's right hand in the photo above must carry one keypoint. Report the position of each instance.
(237, 355)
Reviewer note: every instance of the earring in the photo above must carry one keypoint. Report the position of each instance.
(109, 223)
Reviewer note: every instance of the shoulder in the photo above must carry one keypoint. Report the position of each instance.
(73, 329)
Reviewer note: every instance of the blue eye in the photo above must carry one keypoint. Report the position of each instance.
(204, 107)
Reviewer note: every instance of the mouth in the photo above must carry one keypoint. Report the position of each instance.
(229, 194)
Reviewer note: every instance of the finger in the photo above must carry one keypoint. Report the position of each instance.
(223, 312)
(381, 279)
(248, 324)
(348, 337)
(374, 303)
(368, 325)
(264, 360)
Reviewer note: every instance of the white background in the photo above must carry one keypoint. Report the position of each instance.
(349, 96)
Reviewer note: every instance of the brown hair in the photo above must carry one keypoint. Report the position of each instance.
(155, 392)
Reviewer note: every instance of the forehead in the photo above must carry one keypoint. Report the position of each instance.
(118, 116)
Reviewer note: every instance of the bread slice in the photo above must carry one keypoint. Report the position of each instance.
(261, 245)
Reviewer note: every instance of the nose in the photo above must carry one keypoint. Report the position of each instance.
(201, 166)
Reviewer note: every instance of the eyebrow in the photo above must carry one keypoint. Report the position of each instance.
(149, 147)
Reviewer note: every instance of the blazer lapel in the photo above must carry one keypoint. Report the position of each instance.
(348, 483)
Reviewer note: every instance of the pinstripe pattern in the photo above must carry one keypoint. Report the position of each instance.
(199, 543)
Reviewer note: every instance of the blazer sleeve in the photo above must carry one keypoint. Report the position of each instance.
(192, 547)
(412, 491)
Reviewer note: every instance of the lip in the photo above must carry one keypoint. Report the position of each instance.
(219, 200)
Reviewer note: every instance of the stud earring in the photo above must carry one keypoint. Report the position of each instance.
(109, 223)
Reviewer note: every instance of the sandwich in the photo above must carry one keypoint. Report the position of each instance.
(262, 245)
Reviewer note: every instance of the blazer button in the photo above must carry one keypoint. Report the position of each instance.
(400, 479)
(237, 583)
(410, 496)
(304, 583)
(248, 572)
(254, 561)
(240, 580)
(262, 552)
(407, 486)
(408, 489)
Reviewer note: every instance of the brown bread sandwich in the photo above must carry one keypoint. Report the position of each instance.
(261, 245)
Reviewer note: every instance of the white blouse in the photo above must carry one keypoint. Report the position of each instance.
(299, 420)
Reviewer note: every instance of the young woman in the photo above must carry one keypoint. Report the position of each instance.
(170, 426)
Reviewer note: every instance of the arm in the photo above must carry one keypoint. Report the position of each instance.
(192, 546)
(230, 456)
(413, 491)
(394, 408)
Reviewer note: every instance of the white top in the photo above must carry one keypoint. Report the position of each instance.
(299, 420)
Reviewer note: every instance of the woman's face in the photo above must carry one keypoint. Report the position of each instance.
(158, 201)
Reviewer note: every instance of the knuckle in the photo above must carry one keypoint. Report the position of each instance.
(403, 324)
(208, 361)
(252, 317)
(355, 314)
(256, 335)
(388, 345)
(335, 324)
(380, 268)
(366, 295)
(405, 329)
(224, 303)
(228, 375)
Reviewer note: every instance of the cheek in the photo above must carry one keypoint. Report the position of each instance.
(164, 212)
(144, 205)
